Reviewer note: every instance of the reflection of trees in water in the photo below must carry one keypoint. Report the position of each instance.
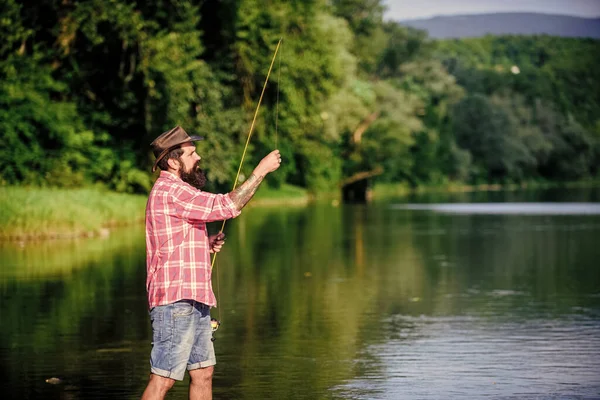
(59, 258)
(311, 287)
(303, 292)
(313, 284)
(545, 258)
(63, 304)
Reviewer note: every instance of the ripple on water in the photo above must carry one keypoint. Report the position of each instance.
(471, 357)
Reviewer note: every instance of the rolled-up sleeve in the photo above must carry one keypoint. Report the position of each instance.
(198, 206)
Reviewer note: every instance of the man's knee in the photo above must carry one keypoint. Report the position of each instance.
(202, 375)
(161, 383)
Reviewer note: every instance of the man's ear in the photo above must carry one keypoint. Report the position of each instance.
(173, 164)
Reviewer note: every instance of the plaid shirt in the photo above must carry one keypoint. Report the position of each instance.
(177, 249)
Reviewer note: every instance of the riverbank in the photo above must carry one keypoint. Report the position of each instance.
(286, 195)
(28, 213)
(385, 190)
(31, 213)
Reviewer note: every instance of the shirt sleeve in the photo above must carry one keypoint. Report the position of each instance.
(197, 206)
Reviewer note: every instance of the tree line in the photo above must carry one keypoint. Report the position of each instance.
(85, 86)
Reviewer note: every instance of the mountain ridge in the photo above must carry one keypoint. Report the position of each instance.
(517, 23)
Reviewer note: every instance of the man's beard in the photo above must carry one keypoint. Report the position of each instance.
(194, 177)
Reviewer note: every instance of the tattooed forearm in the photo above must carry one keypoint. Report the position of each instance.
(242, 195)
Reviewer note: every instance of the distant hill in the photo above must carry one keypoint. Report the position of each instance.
(459, 26)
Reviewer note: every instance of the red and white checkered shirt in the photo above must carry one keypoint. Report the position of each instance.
(177, 249)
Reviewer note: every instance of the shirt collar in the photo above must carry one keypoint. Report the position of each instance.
(169, 175)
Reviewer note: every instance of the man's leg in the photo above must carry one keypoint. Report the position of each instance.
(202, 359)
(172, 340)
(201, 383)
(157, 387)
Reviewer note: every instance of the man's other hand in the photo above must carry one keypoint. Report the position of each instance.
(216, 242)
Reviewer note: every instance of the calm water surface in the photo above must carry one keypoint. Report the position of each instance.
(393, 300)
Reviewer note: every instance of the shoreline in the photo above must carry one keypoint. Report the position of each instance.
(385, 190)
(103, 232)
(40, 214)
(30, 214)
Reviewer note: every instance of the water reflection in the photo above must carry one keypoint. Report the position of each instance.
(325, 302)
(67, 311)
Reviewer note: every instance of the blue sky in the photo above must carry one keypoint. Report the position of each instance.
(412, 9)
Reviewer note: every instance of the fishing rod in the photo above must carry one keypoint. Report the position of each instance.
(215, 323)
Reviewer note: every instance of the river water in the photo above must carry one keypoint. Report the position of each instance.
(425, 297)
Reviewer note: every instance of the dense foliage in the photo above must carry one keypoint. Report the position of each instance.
(85, 86)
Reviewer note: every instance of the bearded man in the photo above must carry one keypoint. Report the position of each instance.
(178, 263)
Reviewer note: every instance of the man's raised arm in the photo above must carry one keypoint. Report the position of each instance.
(242, 195)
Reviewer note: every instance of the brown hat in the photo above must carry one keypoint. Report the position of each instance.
(168, 141)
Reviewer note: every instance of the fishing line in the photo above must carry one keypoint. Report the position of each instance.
(242, 162)
(277, 102)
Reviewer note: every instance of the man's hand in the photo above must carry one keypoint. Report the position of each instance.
(215, 242)
(270, 163)
(242, 195)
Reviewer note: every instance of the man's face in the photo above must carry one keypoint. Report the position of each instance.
(189, 158)
(189, 164)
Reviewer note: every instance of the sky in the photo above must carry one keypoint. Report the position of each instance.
(415, 9)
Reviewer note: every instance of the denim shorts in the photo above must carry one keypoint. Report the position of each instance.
(181, 339)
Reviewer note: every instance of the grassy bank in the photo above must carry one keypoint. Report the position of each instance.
(39, 213)
(285, 195)
(45, 213)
